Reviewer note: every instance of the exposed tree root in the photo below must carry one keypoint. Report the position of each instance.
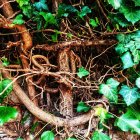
(76, 43)
(46, 116)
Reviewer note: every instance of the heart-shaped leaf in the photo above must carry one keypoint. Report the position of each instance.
(3, 84)
(18, 19)
(138, 82)
(71, 139)
(7, 113)
(130, 95)
(128, 122)
(47, 135)
(131, 14)
(109, 90)
(99, 136)
(82, 107)
(84, 11)
(127, 60)
(102, 113)
(41, 5)
(82, 72)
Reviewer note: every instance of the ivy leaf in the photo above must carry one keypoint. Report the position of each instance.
(49, 18)
(138, 82)
(124, 38)
(54, 37)
(69, 35)
(137, 2)
(131, 14)
(18, 19)
(3, 84)
(82, 107)
(84, 11)
(5, 61)
(41, 5)
(128, 122)
(109, 90)
(26, 7)
(93, 23)
(102, 113)
(27, 10)
(19, 139)
(22, 2)
(7, 113)
(82, 72)
(127, 60)
(135, 110)
(120, 19)
(115, 3)
(47, 135)
(136, 55)
(64, 10)
(71, 139)
(130, 95)
(99, 136)
(120, 49)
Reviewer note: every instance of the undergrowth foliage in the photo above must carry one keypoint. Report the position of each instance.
(119, 19)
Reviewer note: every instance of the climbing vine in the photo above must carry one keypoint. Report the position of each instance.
(73, 65)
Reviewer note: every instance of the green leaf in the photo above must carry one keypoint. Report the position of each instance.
(138, 82)
(84, 11)
(5, 61)
(137, 2)
(7, 113)
(120, 19)
(130, 95)
(82, 72)
(127, 60)
(64, 10)
(71, 139)
(22, 2)
(19, 139)
(34, 126)
(3, 84)
(93, 23)
(136, 55)
(102, 113)
(26, 7)
(54, 37)
(120, 49)
(122, 38)
(109, 90)
(131, 14)
(115, 3)
(82, 107)
(49, 18)
(27, 10)
(41, 5)
(128, 122)
(108, 28)
(135, 110)
(18, 19)
(69, 35)
(47, 135)
(99, 136)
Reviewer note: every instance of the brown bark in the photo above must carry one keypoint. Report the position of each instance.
(30, 86)
(7, 9)
(76, 43)
(40, 114)
(55, 4)
(27, 44)
(66, 99)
